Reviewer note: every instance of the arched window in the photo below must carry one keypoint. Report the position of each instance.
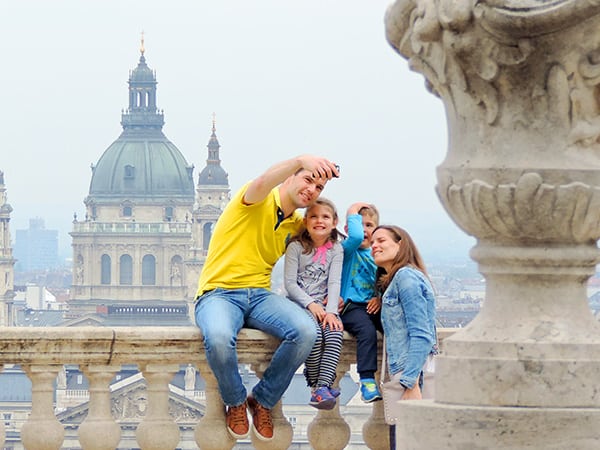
(148, 270)
(169, 213)
(206, 235)
(127, 211)
(125, 270)
(105, 269)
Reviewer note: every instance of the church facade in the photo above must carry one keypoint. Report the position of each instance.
(141, 246)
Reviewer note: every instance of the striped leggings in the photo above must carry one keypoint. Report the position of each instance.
(320, 366)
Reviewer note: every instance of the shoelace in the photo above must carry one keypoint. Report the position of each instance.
(263, 416)
(238, 415)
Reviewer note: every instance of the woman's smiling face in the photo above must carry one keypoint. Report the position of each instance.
(384, 248)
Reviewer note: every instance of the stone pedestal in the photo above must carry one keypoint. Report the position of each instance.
(520, 82)
(429, 425)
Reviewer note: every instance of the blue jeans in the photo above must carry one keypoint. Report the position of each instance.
(221, 314)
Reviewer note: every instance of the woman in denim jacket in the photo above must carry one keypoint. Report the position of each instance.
(408, 306)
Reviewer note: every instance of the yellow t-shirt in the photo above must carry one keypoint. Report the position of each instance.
(245, 245)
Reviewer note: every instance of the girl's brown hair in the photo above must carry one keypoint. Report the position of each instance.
(408, 255)
(304, 238)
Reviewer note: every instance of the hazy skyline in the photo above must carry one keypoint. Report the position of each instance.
(283, 78)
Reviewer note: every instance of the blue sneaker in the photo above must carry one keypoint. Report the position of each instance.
(322, 398)
(335, 392)
(369, 392)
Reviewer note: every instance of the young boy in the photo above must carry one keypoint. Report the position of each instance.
(361, 311)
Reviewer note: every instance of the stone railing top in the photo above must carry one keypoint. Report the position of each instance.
(124, 345)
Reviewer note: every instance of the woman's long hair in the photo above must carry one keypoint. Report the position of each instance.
(304, 237)
(408, 255)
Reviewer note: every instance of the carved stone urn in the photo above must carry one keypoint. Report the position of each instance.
(520, 81)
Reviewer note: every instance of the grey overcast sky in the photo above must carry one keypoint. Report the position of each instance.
(283, 78)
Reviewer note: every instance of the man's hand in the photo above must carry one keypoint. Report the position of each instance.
(319, 167)
(374, 305)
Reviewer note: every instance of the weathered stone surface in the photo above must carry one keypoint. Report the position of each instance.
(520, 83)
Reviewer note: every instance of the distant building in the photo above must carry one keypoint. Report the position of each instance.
(7, 261)
(143, 241)
(36, 249)
(36, 297)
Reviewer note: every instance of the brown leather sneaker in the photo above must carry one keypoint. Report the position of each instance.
(237, 421)
(262, 422)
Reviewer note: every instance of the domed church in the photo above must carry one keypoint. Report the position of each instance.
(139, 251)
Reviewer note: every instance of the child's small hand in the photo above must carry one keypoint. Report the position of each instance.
(356, 207)
(317, 311)
(374, 305)
(335, 324)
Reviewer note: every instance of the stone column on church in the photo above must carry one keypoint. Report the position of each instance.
(520, 81)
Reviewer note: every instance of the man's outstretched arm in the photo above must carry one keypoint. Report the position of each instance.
(260, 187)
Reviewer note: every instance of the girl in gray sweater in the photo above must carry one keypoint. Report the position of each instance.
(312, 275)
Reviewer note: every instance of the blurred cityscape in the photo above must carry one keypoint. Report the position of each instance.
(460, 288)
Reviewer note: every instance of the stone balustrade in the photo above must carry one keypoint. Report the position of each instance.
(132, 227)
(158, 352)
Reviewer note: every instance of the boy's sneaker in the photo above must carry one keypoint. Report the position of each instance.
(335, 392)
(369, 392)
(322, 398)
(237, 421)
(262, 421)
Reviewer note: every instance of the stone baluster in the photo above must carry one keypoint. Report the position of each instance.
(376, 433)
(520, 82)
(99, 431)
(211, 432)
(283, 433)
(42, 431)
(328, 430)
(158, 431)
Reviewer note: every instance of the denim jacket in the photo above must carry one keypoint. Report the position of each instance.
(408, 317)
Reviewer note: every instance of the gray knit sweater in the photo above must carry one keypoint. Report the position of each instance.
(307, 280)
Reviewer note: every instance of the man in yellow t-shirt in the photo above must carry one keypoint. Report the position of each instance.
(234, 287)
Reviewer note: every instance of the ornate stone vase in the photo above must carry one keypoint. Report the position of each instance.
(520, 81)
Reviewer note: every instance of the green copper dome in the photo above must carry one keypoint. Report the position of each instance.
(142, 165)
(142, 168)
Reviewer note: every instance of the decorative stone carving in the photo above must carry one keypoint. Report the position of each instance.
(175, 273)
(79, 270)
(527, 208)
